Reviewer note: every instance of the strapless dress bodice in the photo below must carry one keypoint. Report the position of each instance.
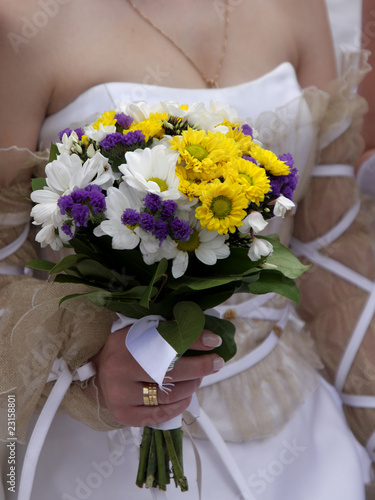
(250, 99)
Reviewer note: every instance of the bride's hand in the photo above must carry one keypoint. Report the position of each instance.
(120, 380)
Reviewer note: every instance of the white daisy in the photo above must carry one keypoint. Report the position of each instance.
(153, 171)
(117, 201)
(63, 175)
(200, 117)
(68, 142)
(226, 112)
(208, 246)
(99, 134)
(151, 249)
(139, 111)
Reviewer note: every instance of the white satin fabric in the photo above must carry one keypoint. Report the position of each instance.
(314, 456)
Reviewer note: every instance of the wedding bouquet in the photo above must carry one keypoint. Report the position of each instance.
(162, 205)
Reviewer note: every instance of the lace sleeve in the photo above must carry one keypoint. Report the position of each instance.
(34, 329)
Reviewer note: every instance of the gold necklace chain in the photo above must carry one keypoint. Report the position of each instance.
(210, 82)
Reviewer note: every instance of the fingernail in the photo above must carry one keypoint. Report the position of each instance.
(218, 364)
(211, 340)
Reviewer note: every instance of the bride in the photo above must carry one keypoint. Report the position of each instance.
(273, 430)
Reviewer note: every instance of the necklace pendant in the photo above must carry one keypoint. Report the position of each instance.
(212, 84)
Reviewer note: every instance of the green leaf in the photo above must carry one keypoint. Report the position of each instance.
(69, 278)
(53, 152)
(203, 283)
(93, 270)
(100, 298)
(133, 293)
(159, 273)
(186, 327)
(226, 330)
(283, 260)
(276, 282)
(71, 296)
(131, 309)
(40, 264)
(81, 246)
(38, 183)
(66, 263)
(212, 299)
(237, 263)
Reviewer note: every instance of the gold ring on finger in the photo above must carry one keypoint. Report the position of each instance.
(150, 397)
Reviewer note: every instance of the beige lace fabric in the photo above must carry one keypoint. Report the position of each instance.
(331, 312)
(259, 401)
(35, 330)
(331, 315)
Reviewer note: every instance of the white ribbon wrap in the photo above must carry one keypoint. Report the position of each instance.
(147, 346)
(151, 352)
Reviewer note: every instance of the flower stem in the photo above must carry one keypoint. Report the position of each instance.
(178, 473)
(152, 463)
(143, 456)
(160, 455)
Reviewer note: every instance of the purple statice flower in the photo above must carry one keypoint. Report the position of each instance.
(65, 204)
(168, 209)
(285, 184)
(66, 131)
(247, 130)
(181, 229)
(133, 137)
(95, 197)
(117, 138)
(249, 158)
(97, 201)
(79, 132)
(123, 120)
(65, 228)
(130, 217)
(161, 230)
(79, 195)
(111, 140)
(77, 205)
(152, 201)
(287, 158)
(80, 214)
(147, 222)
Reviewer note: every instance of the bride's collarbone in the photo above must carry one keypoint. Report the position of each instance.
(140, 54)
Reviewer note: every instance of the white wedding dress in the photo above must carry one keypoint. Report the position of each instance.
(314, 456)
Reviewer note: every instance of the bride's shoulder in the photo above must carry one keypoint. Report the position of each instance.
(26, 83)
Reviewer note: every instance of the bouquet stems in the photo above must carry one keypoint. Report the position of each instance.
(160, 449)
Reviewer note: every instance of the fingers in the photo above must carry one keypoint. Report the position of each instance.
(120, 380)
(141, 416)
(192, 367)
(174, 393)
(206, 341)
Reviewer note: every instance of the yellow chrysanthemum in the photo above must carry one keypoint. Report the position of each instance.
(107, 118)
(190, 185)
(244, 142)
(85, 140)
(184, 107)
(204, 151)
(151, 127)
(269, 160)
(252, 177)
(223, 207)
